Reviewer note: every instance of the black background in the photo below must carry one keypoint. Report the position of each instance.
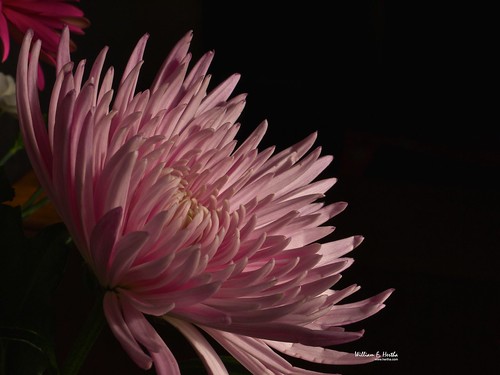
(400, 96)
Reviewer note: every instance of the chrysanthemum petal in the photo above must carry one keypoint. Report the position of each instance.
(103, 239)
(255, 355)
(318, 354)
(333, 250)
(122, 331)
(176, 55)
(123, 255)
(208, 355)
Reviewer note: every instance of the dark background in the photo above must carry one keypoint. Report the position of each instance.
(400, 96)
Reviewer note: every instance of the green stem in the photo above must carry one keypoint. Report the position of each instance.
(33, 197)
(31, 205)
(18, 146)
(86, 338)
(28, 210)
(12, 151)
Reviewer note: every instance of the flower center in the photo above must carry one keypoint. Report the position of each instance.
(194, 208)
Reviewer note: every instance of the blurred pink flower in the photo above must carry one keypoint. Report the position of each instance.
(46, 18)
(178, 221)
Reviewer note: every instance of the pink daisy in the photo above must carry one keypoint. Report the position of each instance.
(180, 222)
(46, 18)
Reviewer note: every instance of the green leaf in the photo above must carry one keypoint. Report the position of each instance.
(30, 270)
(23, 344)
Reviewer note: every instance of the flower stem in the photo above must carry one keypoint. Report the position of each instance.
(28, 210)
(18, 146)
(88, 335)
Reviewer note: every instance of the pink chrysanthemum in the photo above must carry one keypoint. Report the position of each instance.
(46, 18)
(179, 222)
